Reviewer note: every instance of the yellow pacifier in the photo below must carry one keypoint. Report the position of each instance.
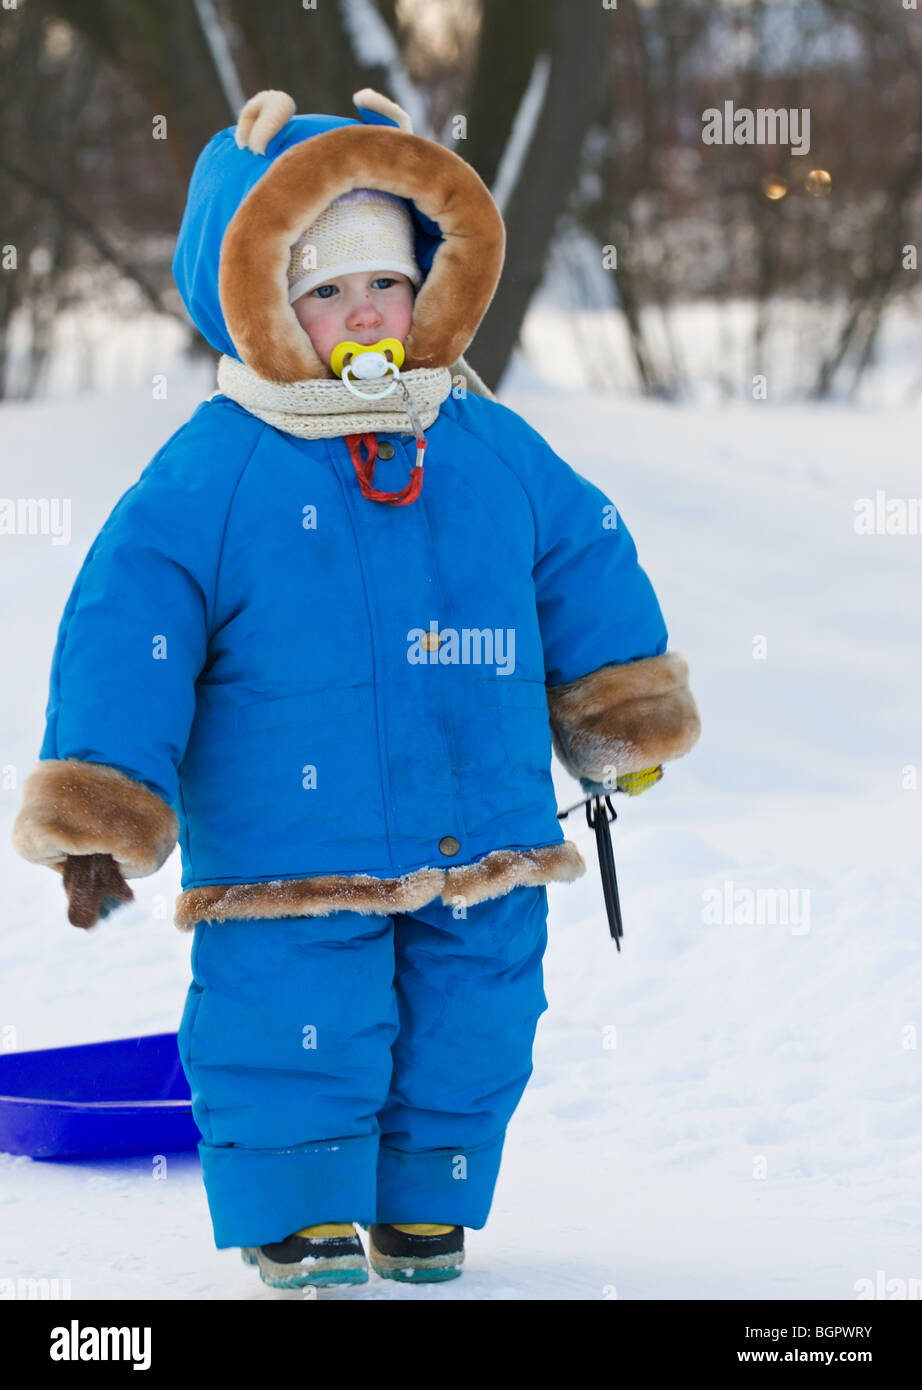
(368, 362)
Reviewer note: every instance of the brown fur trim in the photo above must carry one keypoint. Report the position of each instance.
(74, 807)
(624, 718)
(252, 273)
(383, 106)
(307, 897)
(261, 119)
(505, 869)
(492, 876)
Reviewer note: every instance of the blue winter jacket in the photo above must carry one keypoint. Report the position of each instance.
(332, 693)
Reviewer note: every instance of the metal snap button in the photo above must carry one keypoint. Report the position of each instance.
(385, 449)
(449, 845)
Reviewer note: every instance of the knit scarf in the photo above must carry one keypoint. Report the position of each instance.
(324, 408)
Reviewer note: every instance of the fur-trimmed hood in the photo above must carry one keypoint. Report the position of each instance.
(258, 184)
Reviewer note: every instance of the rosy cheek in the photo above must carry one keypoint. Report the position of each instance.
(324, 327)
(315, 314)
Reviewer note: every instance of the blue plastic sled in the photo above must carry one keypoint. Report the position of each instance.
(129, 1096)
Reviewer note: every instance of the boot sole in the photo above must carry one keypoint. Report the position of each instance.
(416, 1269)
(341, 1269)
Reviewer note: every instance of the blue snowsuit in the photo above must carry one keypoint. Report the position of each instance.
(366, 822)
(356, 1067)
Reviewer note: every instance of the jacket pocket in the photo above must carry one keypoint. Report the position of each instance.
(303, 761)
(271, 785)
(525, 728)
(515, 715)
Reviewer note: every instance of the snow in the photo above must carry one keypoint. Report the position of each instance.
(725, 1108)
(568, 345)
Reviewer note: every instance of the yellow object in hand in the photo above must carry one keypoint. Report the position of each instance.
(636, 782)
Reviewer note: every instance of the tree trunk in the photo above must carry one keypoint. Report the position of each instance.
(306, 52)
(580, 38)
(511, 37)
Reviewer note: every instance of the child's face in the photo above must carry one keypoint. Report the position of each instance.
(364, 306)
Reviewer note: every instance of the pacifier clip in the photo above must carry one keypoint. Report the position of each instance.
(371, 364)
(365, 470)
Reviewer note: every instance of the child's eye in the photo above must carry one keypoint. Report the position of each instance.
(320, 288)
(384, 280)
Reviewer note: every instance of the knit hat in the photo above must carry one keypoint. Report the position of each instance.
(364, 229)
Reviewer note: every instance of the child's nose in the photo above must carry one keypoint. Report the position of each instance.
(363, 314)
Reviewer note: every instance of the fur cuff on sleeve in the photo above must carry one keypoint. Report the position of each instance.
(624, 718)
(74, 807)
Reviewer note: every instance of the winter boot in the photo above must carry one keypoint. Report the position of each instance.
(327, 1254)
(418, 1254)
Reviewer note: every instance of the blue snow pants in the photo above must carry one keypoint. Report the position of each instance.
(360, 1068)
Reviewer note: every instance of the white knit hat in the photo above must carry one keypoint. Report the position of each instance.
(365, 229)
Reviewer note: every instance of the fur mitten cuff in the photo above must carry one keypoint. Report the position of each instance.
(74, 807)
(624, 718)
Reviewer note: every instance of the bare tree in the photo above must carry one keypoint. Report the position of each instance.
(161, 47)
(578, 42)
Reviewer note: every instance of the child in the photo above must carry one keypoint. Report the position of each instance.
(336, 678)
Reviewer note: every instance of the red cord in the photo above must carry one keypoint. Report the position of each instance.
(365, 470)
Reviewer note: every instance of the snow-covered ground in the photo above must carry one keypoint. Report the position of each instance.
(727, 1108)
